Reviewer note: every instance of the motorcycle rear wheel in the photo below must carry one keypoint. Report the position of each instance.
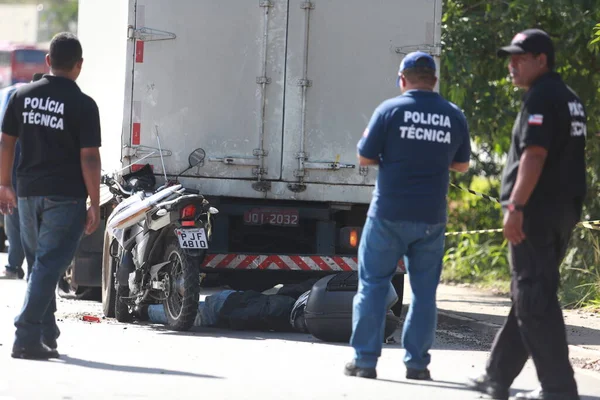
(182, 291)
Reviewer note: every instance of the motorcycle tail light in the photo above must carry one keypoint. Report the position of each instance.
(187, 215)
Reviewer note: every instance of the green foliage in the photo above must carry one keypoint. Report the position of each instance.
(55, 16)
(477, 80)
(480, 257)
(474, 78)
(467, 211)
(581, 270)
(475, 259)
(595, 42)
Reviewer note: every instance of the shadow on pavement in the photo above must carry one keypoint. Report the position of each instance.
(446, 385)
(243, 335)
(127, 368)
(463, 386)
(263, 335)
(214, 332)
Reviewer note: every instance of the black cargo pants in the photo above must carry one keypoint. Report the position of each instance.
(535, 326)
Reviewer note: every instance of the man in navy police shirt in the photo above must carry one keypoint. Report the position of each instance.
(58, 129)
(415, 139)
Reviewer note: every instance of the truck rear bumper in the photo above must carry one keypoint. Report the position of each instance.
(285, 263)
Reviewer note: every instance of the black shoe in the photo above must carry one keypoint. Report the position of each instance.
(50, 343)
(539, 394)
(36, 352)
(418, 374)
(352, 370)
(16, 273)
(484, 384)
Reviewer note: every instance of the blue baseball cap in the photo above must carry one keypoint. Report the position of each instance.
(416, 59)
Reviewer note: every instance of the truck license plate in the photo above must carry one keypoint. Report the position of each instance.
(192, 238)
(271, 216)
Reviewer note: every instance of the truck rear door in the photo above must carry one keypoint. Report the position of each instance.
(342, 61)
(210, 75)
(273, 90)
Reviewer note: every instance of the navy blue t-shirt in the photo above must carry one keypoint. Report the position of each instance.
(415, 137)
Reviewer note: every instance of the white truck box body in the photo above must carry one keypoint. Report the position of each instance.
(277, 92)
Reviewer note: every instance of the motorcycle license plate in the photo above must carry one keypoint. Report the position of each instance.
(192, 238)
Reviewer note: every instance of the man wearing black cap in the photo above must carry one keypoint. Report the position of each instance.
(415, 139)
(543, 187)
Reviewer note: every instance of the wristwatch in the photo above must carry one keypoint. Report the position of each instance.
(512, 207)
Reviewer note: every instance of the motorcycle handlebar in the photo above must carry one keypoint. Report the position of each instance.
(109, 181)
(112, 182)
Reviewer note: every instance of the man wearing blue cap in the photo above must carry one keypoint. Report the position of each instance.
(415, 139)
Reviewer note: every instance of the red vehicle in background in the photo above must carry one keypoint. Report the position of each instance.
(19, 62)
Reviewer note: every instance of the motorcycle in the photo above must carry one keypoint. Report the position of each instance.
(155, 243)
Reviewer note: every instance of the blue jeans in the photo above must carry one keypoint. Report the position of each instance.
(16, 254)
(51, 228)
(382, 245)
(208, 310)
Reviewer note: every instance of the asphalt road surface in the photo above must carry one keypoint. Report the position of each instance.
(109, 360)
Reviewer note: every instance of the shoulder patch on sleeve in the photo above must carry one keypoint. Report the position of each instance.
(536, 119)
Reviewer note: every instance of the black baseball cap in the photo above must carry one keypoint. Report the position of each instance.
(534, 41)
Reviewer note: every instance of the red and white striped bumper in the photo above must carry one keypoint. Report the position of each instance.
(285, 262)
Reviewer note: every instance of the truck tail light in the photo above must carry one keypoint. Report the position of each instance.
(188, 213)
(353, 238)
(350, 237)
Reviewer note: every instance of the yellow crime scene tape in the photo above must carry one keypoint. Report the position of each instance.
(474, 232)
(595, 225)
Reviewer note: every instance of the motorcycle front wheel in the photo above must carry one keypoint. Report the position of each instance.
(122, 313)
(182, 288)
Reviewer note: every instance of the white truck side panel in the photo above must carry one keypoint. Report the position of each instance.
(102, 30)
